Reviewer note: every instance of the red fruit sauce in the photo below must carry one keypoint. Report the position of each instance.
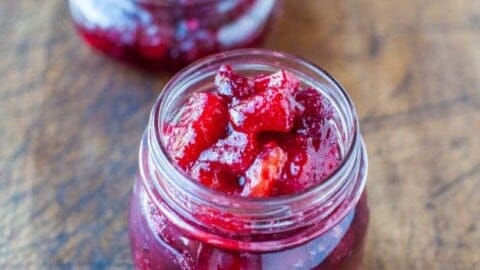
(168, 34)
(256, 137)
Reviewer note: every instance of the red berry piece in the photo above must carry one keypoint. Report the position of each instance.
(215, 176)
(279, 80)
(231, 84)
(295, 175)
(201, 122)
(306, 165)
(274, 109)
(236, 152)
(265, 171)
(316, 110)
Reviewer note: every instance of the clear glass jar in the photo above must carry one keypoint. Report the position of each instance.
(176, 223)
(168, 34)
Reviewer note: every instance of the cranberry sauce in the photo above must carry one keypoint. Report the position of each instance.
(166, 35)
(255, 137)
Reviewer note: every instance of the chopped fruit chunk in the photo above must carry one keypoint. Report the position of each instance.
(201, 122)
(271, 110)
(236, 152)
(265, 170)
(307, 166)
(231, 84)
(316, 109)
(216, 176)
(278, 80)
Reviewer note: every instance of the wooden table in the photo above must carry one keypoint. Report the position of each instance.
(71, 120)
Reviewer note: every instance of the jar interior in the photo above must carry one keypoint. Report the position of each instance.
(204, 81)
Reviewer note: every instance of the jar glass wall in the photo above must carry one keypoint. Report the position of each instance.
(176, 223)
(168, 34)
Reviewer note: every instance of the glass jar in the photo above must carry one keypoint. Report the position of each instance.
(177, 223)
(168, 34)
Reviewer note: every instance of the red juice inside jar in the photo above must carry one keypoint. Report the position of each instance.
(257, 165)
(168, 34)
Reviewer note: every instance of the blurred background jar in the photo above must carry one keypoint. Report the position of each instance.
(168, 34)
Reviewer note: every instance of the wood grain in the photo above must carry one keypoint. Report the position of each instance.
(71, 119)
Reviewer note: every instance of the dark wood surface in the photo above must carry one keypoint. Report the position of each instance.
(71, 120)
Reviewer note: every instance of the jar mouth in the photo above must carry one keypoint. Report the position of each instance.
(193, 184)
